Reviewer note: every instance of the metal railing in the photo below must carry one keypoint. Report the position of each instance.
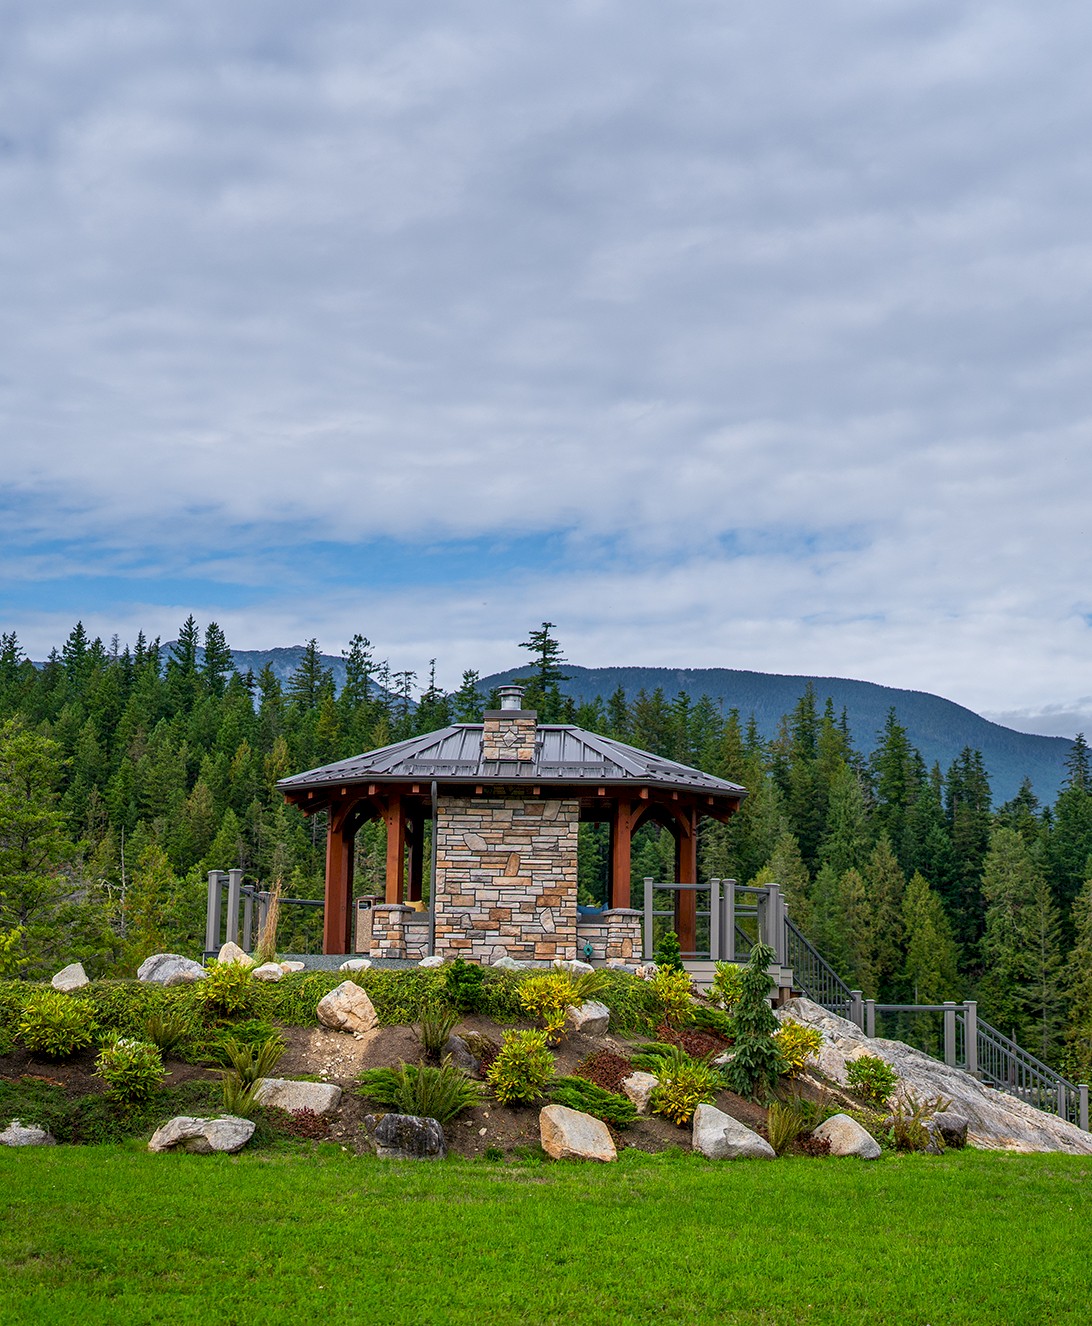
(734, 912)
(235, 912)
(815, 978)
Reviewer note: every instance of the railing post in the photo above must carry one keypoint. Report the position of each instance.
(856, 1008)
(648, 919)
(248, 916)
(728, 920)
(234, 888)
(1063, 1101)
(949, 1032)
(774, 927)
(714, 920)
(212, 912)
(1082, 1106)
(970, 1035)
(870, 1017)
(263, 909)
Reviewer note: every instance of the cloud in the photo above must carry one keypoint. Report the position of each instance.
(750, 336)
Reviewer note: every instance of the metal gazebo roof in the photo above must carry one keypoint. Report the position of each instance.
(563, 754)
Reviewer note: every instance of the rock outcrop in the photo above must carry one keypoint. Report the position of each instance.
(995, 1120)
(573, 1135)
(203, 1136)
(18, 1133)
(720, 1137)
(347, 1008)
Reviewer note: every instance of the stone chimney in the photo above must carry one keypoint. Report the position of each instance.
(509, 732)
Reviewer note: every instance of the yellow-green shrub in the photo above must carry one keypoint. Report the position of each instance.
(727, 984)
(672, 990)
(132, 1070)
(56, 1024)
(522, 1069)
(797, 1044)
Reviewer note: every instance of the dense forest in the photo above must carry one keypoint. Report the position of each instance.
(127, 773)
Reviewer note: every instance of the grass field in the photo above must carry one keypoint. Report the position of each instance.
(115, 1235)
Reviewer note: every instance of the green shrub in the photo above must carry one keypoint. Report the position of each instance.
(170, 1030)
(431, 1092)
(634, 1006)
(871, 1078)
(56, 1024)
(910, 1117)
(228, 991)
(684, 1084)
(462, 983)
(523, 1067)
(132, 1070)
(797, 1044)
(579, 1094)
(673, 993)
(704, 1018)
(756, 1061)
(667, 952)
(500, 994)
(726, 987)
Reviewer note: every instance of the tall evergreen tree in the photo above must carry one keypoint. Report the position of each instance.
(1077, 1055)
(930, 970)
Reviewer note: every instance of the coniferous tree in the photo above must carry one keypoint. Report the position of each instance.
(930, 970)
(218, 663)
(543, 689)
(885, 886)
(1077, 1055)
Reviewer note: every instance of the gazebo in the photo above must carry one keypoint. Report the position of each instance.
(505, 796)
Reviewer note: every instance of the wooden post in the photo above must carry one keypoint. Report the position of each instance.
(686, 872)
(621, 846)
(339, 880)
(395, 819)
(416, 840)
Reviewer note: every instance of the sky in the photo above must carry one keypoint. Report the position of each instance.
(748, 335)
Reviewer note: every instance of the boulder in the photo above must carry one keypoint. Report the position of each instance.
(18, 1133)
(509, 964)
(572, 1135)
(622, 964)
(170, 969)
(347, 1008)
(284, 1094)
(952, 1128)
(289, 967)
(995, 1120)
(72, 977)
(406, 1137)
(231, 953)
(574, 965)
(590, 1017)
(720, 1137)
(433, 960)
(203, 1136)
(638, 1087)
(268, 971)
(646, 971)
(355, 964)
(847, 1138)
(461, 1055)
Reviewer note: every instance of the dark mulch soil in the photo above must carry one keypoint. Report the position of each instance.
(696, 1043)
(606, 1069)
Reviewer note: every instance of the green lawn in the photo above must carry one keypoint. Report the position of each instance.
(115, 1235)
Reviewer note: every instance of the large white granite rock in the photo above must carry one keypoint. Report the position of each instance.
(995, 1120)
(573, 1135)
(285, 1094)
(573, 965)
(72, 977)
(170, 969)
(289, 967)
(433, 960)
(347, 1008)
(505, 963)
(355, 964)
(268, 971)
(590, 1017)
(720, 1137)
(203, 1136)
(638, 1087)
(847, 1138)
(18, 1133)
(230, 953)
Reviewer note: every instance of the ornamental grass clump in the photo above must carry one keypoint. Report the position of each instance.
(522, 1069)
(785, 1122)
(756, 1062)
(132, 1070)
(440, 1092)
(56, 1025)
(434, 1026)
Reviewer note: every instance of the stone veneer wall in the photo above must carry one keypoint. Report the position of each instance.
(509, 734)
(506, 878)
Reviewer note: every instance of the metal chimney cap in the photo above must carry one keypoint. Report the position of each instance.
(511, 697)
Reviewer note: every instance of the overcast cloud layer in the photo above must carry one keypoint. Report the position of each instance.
(749, 335)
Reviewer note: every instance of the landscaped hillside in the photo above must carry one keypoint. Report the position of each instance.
(938, 728)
